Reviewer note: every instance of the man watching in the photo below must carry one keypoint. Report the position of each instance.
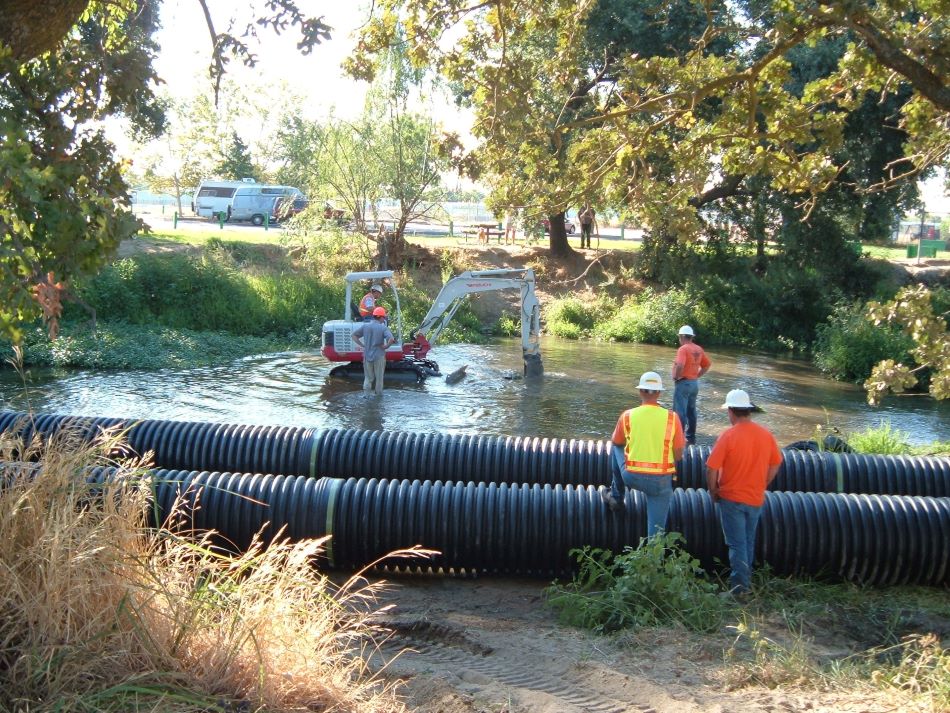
(374, 338)
(740, 468)
(691, 363)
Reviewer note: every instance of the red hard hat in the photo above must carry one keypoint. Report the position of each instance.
(379, 312)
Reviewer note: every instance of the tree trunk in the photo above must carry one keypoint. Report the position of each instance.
(558, 236)
(32, 27)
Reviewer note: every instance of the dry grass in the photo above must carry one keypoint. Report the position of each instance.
(99, 612)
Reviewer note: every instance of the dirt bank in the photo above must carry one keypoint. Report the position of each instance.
(490, 645)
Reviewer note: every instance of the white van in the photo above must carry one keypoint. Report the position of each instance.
(253, 203)
(213, 197)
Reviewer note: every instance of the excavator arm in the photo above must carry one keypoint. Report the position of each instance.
(454, 292)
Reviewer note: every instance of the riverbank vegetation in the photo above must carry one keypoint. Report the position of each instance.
(795, 633)
(102, 612)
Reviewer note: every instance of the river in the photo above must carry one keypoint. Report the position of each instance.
(585, 387)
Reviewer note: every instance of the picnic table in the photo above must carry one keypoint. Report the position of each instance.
(483, 232)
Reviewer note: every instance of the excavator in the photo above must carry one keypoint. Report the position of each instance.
(408, 359)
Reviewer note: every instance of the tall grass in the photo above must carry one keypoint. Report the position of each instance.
(99, 612)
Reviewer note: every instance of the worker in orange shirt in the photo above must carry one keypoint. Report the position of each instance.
(368, 303)
(690, 364)
(740, 468)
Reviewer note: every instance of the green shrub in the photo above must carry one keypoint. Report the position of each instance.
(652, 317)
(849, 344)
(569, 318)
(206, 292)
(129, 346)
(657, 583)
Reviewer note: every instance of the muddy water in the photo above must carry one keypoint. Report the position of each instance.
(585, 387)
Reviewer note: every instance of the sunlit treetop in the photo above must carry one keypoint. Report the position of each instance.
(661, 106)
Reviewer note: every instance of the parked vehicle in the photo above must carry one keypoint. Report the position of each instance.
(287, 207)
(214, 197)
(256, 202)
(240, 200)
(569, 226)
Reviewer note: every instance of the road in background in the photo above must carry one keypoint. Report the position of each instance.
(166, 221)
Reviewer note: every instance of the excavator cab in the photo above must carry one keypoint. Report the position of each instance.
(410, 359)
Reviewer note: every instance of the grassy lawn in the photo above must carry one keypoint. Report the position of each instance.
(884, 253)
(189, 236)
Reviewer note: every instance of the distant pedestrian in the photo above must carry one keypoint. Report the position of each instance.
(690, 365)
(511, 226)
(740, 468)
(368, 303)
(374, 338)
(587, 218)
(647, 442)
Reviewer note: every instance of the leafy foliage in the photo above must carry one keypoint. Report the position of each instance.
(915, 312)
(849, 345)
(64, 206)
(654, 584)
(571, 101)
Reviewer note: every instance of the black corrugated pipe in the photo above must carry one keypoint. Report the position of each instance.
(461, 458)
(530, 529)
(186, 444)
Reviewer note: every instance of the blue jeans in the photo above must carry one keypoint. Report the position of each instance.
(658, 490)
(739, 523)
(684, 403)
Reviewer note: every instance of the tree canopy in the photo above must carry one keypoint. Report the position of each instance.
(568, 107)
(64, 204)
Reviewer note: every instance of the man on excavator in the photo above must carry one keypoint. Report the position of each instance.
(368, 303)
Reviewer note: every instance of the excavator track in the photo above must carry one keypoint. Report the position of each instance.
(405, 370)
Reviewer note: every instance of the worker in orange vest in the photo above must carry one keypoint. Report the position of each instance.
(368, 303)
(647, 442)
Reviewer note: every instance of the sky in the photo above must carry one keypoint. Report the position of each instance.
(186, 50)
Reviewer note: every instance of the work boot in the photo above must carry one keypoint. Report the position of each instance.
(611, 502)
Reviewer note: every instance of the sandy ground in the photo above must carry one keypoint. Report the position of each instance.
(490, 645)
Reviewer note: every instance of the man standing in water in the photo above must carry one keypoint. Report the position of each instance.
(374, 339)
(743, 462)
(690, 364)
(647, 442)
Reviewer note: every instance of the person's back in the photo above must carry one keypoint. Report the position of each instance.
(374, 335)
(744, 453)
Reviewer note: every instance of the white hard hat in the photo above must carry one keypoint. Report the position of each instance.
(737, 398)
(687, 330)
(650, 381)
(377, 287)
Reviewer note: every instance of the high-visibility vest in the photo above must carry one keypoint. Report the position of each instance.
(367, 304)
(649, 431)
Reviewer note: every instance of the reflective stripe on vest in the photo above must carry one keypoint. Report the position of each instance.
(652, 450)
(367, 304)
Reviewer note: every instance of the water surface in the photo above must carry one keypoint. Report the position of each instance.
(584, 389)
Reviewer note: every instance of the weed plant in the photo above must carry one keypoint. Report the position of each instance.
(654, 584)
(102, 613)
(894, 636)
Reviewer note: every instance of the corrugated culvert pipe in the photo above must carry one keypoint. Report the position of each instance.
(462, 458)
(530, 529)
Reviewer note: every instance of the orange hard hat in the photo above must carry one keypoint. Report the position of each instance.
(379, 312)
